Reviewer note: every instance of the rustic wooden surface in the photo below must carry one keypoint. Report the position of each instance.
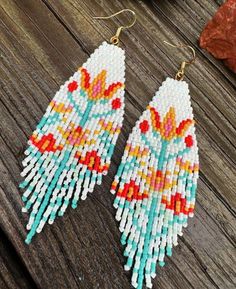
(42, 44)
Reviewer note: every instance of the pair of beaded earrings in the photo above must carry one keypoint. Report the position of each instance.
(72, 146)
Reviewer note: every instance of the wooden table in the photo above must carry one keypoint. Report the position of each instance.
(42, 44)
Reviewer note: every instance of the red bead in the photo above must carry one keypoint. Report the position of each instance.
(159, 173)
(144, 126)
(72, 86)
(155, 118)
(188, 141)
(78, 129)
(116, 103)
(177, 196)
(85, 81)
(46, 143)
(183, 125)
(112, 89)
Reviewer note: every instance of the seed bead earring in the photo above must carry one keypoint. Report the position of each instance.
(71, 148)
(156, 182)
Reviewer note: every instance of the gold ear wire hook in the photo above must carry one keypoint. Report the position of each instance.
(115, 39)
(180, 74)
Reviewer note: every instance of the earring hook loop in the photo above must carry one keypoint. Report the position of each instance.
(115, 39)
(181, 71)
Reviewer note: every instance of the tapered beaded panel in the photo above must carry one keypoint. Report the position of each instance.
(156, 181)
(72, 145)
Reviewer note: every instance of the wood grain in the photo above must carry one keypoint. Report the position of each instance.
(42, 44)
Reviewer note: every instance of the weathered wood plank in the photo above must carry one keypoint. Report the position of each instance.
(43, 43)
(12, 272)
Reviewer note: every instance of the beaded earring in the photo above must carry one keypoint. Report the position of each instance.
(71, 148)
(155, 184)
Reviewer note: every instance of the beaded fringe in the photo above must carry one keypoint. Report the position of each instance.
(72, 145)
(156, 181)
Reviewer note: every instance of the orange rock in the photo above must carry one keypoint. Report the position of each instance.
(219, 35)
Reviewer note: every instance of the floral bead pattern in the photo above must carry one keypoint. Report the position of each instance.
(155, 184)
(72, 146)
